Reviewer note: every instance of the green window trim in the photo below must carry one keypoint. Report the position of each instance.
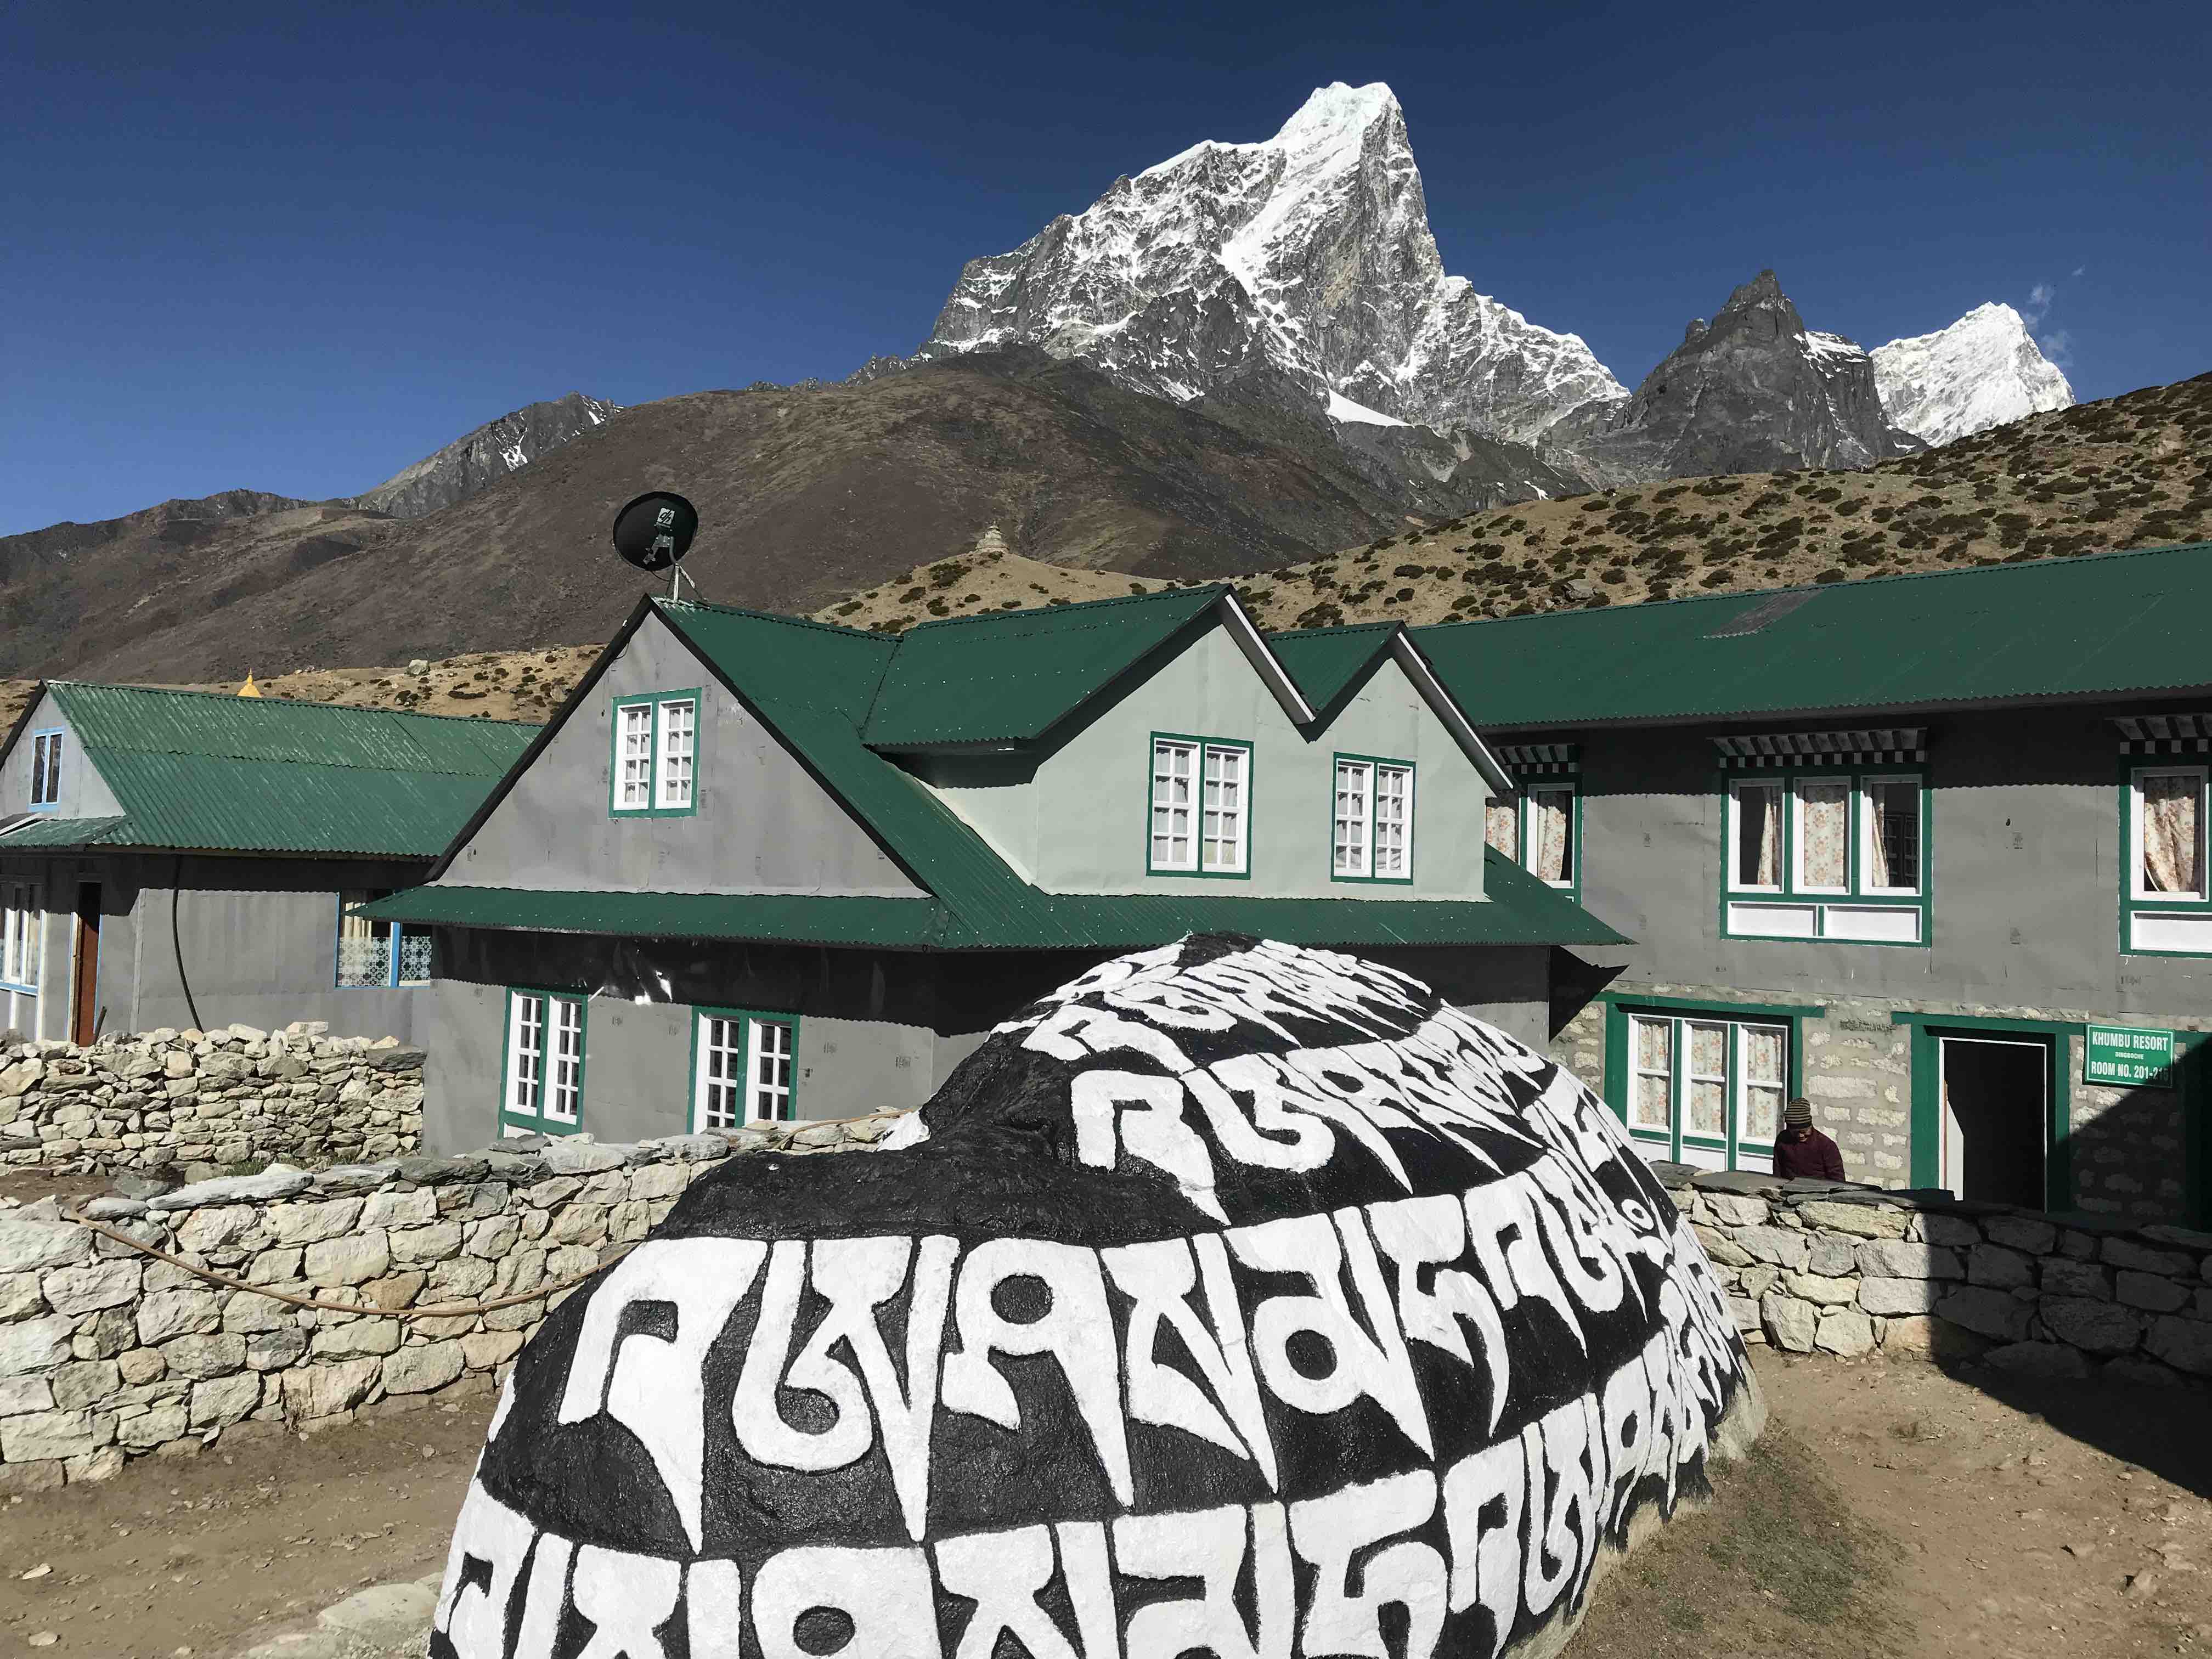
(2177, 907)
(659, 703)
(1201, 748)
(750, 1022)
(539, 1120)
(1376, 764)
(1852, 897)
(1927, 1134)
(1619, 1011)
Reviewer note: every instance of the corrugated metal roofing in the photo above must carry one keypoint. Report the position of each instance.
(1521, 910)
(2106, 622)
(1012, 676)
(56, 832)
(1324, 661)
(200, 770)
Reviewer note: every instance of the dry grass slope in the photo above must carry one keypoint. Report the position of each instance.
(2134, 471)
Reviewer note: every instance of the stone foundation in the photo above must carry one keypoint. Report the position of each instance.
(107, 1354)
(234, 1096)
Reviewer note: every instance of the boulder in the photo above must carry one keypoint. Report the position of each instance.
(1790, 1324)
(1844, 1331)
(2098, 1326)
(1408, 1264)
(1860, 1220)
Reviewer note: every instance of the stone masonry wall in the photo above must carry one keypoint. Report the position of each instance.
(232, 1096)
(1857, 1064)
(107, 1354)
(1808, 1266)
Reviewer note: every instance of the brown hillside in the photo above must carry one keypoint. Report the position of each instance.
(2133, 471)
(805, 495)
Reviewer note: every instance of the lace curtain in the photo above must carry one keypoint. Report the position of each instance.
(1501, 828)
(2171, 803)
(1548, 808)
(1758, 835)
(1823, 817)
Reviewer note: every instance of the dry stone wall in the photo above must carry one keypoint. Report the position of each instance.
(1845, 1270)
(172, 1099)
(107, 1354)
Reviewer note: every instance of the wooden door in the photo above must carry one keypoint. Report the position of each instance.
(84, 1010)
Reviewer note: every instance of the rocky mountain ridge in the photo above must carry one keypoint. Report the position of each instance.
(1983, 371)
(491, 452)
(1306, 263)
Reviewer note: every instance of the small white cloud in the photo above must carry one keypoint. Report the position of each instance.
(2078, 269)
(2057, 346)
(2040, 296)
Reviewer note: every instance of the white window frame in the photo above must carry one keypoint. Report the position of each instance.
(1637, 1070)
(22, 929)
(1796, 836)
(2136, 889)
(47, 748)
(1352, 818)
(1213, 808)
(1572, 791)
(634, 756)
(1736, 788)
(675, 755)
(1198, 755)
(742, 1042)
(542, 1078)
(1669, 1140)
(1864, 790)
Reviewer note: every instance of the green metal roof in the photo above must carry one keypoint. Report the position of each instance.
(56, 832)
(1009, 676)
(1325, 661)
(201, 770)
(1520, 911)
(2105, 624)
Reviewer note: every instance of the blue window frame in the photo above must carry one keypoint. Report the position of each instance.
(378, 955)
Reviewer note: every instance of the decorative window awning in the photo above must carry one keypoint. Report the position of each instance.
(1536, 760)
(1882, 745)
(2164, 734)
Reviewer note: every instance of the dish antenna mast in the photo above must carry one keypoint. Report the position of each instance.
(655, 532)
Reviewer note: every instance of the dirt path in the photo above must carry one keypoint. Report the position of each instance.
(1890, 1510)
(210, 1553)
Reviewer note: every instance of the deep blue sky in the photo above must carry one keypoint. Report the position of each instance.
(296, 247)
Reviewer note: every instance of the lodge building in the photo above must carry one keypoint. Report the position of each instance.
(1930, 850)
(763, 868)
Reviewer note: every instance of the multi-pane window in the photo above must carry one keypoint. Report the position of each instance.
(744, 1064)
(1706, 1090)
(19, 918)
(679, 721)
(46, 770)
(2167, 905)
(1200, 807)
(544, 1082)
(1371, 820)
(1540, 830)
(656, 768)
(1827, 854)
(378, 953)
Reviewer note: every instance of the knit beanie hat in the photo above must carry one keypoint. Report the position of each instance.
(1798, 1114)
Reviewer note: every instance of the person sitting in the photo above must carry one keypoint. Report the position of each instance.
(1801, 1152)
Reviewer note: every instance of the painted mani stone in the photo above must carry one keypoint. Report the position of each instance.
(1236, 1300)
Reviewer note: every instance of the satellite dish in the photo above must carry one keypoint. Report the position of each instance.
(654, 532)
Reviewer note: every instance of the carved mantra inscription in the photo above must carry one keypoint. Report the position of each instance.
(1352, 1327)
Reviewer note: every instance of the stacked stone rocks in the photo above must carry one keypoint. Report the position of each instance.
(236, 1096)
(1841, 1270)
(107, 1354)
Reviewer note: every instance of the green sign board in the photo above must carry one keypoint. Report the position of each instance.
(2126, 1054)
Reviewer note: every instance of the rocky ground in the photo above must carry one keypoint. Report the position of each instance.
(1892, 1509)
(2133, 471)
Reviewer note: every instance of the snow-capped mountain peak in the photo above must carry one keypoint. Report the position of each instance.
(1309, 251)
(1983, 370)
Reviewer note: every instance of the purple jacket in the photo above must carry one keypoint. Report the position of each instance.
(1812, 1157)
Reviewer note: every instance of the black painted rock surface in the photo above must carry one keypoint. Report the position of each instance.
(1238, 1300)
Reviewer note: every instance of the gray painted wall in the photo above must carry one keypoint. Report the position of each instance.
(764, 824)
(1077, 820)
(84, 795)
(211, 942)
(2025, 848)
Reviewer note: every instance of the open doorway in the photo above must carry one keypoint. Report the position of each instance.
(1996, 1116)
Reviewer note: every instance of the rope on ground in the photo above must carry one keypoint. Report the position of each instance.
(436, 1311)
